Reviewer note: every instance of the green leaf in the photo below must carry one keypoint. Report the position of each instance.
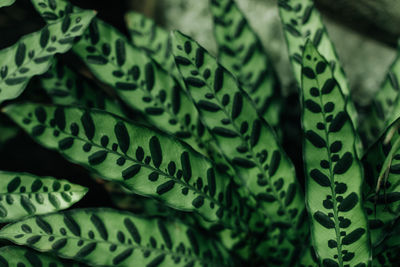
(4, 3)
(24, 195)
(54, 9)
(105, 237)
(334, 174)
(143, 160)
(246, 141)
(242, 53)
(302, 21)
(152, 39)
(20, 256)
(385, 106)
(66, 87)
(32, 54)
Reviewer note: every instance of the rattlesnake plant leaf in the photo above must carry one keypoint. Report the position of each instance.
(106, 237)
(66, 87)
(334, 174)
(4, 3)
(154, 40)
(52, 10)
(143, 160)
(385, 106)
(246, 140)
(24, 195)
(381, 165)
(21, 256)
(302, 21)
(242, 53)
(32, 54)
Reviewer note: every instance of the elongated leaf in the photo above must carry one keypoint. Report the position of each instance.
(4, 3)
(24, 194)
(52, 10)
(153, 39)
(143, 160)
(20, 256)
(65, 87)
(105, 237)
(302, 21)
(385, 106)
(334, 174)
(246, 141)
(32, 54)
(381, 163)
(242, 53)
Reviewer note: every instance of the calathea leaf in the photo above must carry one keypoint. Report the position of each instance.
(32, 54)
(245, 140)
(105, 237)
(385, 106)
(153, 39)
(52, 10)
(66, 87)
(143, 160)
(334, 174)
(302, 21)
(24, 195)
(20, 256)
(4, 3)
(241, 52)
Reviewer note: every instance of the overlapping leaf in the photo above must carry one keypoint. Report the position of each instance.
(385, 106)
(334, 174)
(52, 10)
(241, 52)
(4, 3)
(302, 21)
(143, 160)
(152, 39)
(24, 194)
(245, 140)
(19, 256)
(66, 87)
(105, 237)
(32, 54)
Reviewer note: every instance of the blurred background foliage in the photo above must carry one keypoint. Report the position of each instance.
(365, 34)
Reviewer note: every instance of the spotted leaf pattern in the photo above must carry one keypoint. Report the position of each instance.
(65, 87)
(246, 141)
(382, 162)
(153, 39)
(105, 237)
(334, 174)
(4, 3)
(32, 54)
(242, 53)
(24, 195)
(302, 21)
(385, 106)
(52, 10)
(143, 160)
(21, 256)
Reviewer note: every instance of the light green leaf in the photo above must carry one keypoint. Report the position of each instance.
(242, 53)
(302, 21)
(24, 195)
(54, 9)
(105, 237)
(385, 106)
(143, 160)
(334, 174)
(66, 87)
(4, 3)
(32, 54)
(20, 256)
(246, 141)
(152, 39)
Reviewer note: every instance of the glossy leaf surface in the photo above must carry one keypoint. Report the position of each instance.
(24, 195)
(32, 54)
(334, 174)
(105, 237)
(242, 53)
(143, 160)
